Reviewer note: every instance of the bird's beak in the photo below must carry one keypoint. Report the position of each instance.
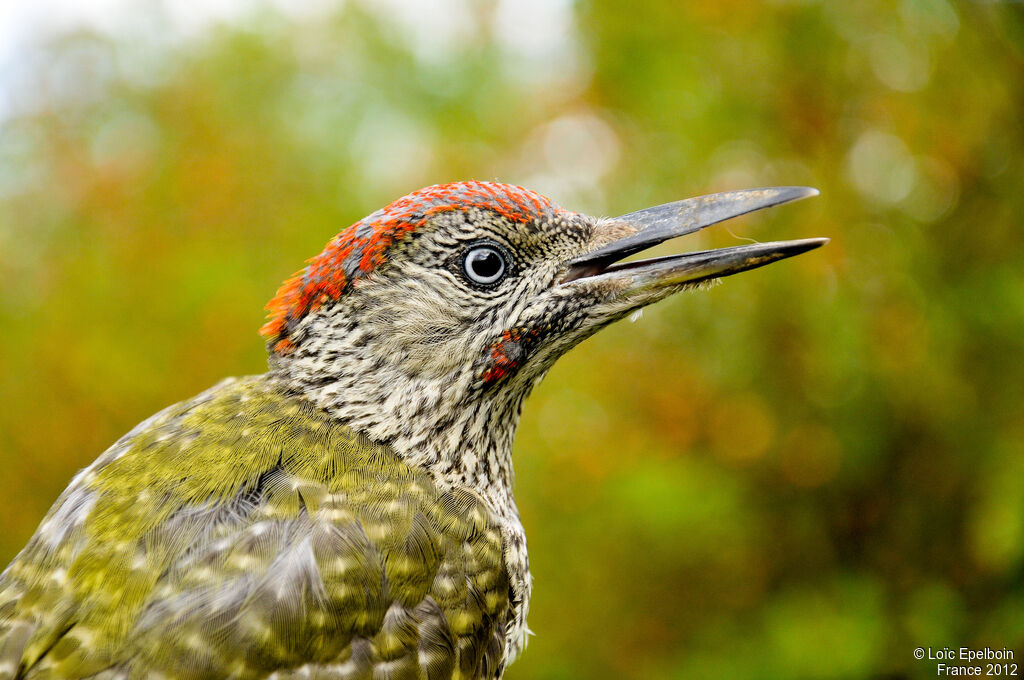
(623, 236)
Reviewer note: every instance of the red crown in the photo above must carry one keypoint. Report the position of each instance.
(361, 248)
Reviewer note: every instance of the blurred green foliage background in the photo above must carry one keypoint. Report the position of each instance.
(805, 472)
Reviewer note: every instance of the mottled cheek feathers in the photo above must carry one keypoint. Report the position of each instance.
(540, 340)
(505, 355)
(364, 246)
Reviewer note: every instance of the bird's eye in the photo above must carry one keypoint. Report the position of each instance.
(484, 264)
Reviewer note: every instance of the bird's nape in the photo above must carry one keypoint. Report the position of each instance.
(349, 513)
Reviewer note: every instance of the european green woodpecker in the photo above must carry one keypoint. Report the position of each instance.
(349, 513)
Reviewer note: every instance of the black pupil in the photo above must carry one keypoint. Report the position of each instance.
(485, 263)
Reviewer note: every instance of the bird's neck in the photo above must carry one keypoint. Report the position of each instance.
(441, 424)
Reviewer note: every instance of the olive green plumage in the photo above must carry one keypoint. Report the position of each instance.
(247, 531)
(349, 515)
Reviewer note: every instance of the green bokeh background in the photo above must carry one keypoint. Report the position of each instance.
(805, 472)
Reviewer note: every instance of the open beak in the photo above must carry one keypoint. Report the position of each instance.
(625, 235)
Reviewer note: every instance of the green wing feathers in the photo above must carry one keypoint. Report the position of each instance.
(245, 534)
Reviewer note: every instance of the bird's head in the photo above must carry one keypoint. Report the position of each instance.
(426, 323)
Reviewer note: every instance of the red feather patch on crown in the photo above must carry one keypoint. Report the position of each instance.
(361, 248)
